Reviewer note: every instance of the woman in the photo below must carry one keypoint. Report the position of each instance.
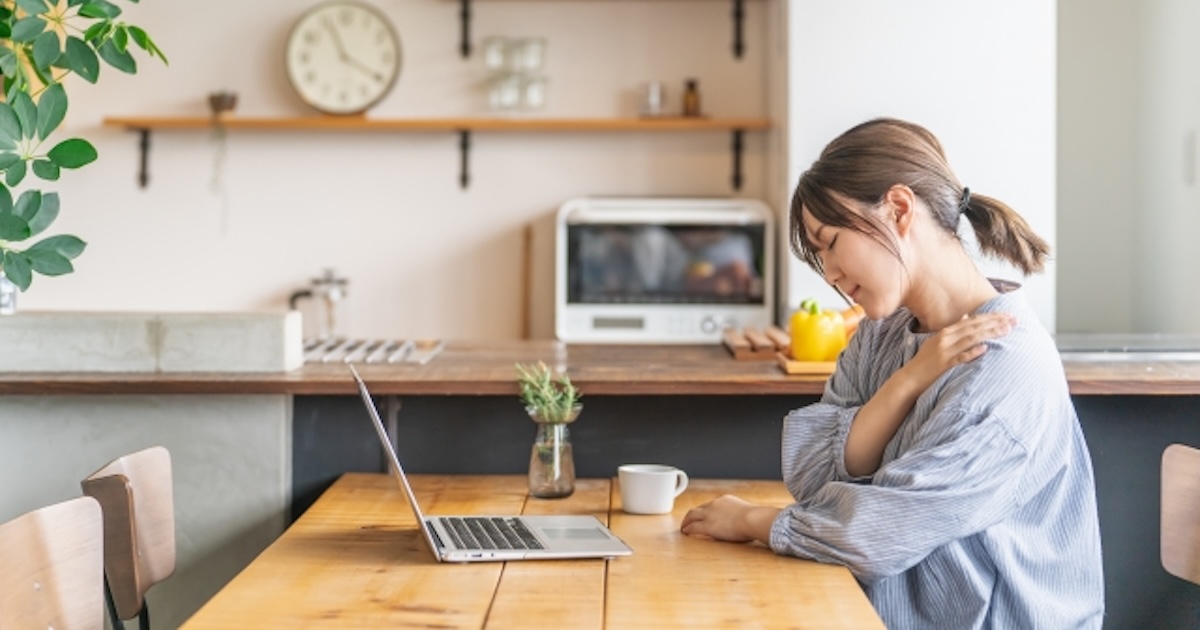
(944, 464)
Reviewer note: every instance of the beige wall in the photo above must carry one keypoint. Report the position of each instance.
(424, 258)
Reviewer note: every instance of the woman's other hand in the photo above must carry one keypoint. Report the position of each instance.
(956, 344)
(731, 519)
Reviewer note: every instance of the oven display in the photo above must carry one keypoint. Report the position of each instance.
(665, 264)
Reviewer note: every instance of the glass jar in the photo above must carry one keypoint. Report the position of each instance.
(552, 460)
(8, 295)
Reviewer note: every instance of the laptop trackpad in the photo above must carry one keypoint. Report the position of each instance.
(574, 533)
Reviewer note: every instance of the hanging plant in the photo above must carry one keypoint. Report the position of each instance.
(42, 43)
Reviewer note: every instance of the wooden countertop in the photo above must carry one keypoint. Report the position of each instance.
(486, 368)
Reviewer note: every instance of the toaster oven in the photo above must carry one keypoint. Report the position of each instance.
(656, 270)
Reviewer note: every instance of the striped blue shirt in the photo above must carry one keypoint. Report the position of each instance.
(983, 511)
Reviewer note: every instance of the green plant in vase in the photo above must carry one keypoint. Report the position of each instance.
(41, 44)
(553, 403)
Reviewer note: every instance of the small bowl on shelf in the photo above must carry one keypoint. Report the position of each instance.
(222, 103)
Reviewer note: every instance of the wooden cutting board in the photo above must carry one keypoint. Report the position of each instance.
(812, 368)
(755, 343)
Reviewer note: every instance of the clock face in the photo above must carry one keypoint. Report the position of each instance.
(343, 57)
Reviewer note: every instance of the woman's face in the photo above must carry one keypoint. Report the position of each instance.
(858, 264)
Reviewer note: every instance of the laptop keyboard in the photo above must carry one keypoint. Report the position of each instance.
(490, 533)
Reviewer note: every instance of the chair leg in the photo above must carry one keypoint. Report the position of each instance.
(144, 617)
(112, 607)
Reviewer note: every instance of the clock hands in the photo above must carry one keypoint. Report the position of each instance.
(344, 56)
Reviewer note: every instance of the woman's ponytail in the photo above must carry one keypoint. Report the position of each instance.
(1002, 233)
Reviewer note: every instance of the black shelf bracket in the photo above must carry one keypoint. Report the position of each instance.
(464, 15)
(737, 158)
(144, 162)
(464, 156)
(739, 15)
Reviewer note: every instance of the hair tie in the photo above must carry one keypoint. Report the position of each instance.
(965, 202)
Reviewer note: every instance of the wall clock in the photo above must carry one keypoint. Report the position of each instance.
(343, 57)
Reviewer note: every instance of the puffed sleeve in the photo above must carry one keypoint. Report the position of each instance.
(915, 504)
(814, 437)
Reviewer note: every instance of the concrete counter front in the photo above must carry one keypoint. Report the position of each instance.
(691, 406)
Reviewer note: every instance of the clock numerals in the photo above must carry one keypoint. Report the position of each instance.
(343, 57)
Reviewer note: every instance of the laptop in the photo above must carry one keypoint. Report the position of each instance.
(477, 538)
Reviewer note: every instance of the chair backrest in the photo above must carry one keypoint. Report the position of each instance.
(1181, 512)
(52, 568)
(139, 524)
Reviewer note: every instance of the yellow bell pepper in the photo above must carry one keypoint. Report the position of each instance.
(817, 335)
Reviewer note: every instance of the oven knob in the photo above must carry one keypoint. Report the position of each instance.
(709, 325)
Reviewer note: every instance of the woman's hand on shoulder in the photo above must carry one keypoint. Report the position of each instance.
(958, 343)
(730, 519)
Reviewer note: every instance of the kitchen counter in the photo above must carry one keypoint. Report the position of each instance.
(486, 368)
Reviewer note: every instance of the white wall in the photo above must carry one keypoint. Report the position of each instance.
(1167, 279)
(1099, 60)
(979, 75)
(1129, 207)
(424, 258)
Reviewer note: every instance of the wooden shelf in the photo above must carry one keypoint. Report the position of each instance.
(362, 123)
(738, 127)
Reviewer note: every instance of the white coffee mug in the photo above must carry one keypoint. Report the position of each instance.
(650, 488)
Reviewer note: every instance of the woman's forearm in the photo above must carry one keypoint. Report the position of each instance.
(876, 422)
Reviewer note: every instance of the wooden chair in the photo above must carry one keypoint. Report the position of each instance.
(53, 568)
(139, 529)
(1181, 512)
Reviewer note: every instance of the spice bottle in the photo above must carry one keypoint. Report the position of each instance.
(691, 98)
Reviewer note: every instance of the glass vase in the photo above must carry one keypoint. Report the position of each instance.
(552, 461)
(8, 295)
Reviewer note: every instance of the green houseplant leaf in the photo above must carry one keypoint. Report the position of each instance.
(6, 200)
(72, 153)
(46, 213)
(34, 7)
(45, 50)
(47, 170)
(13, 228)
(8, 60)
(65, 244)
(10, 125)
(18, 269)
(28, 204)
(27, 114)
(117, 57)
(51, 109)
(99, 9)
(14, 174)
(26, 29)
(82, 60)
(48, 262)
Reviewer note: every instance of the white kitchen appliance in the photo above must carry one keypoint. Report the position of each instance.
(662, 270)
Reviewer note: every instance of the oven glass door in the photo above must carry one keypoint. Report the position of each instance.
(665, 264)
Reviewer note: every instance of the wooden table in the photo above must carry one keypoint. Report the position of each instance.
(355, 560)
